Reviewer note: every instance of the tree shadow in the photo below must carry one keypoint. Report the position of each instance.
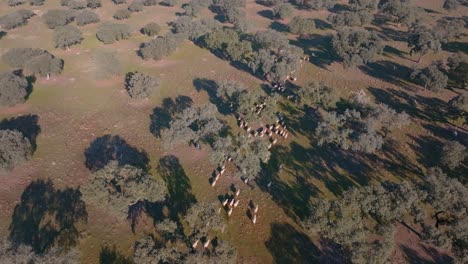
(110, 255)
(280, 27)
(2, 34)
(288, 245)
(27, 125)
(427, 149)
(388, 71)
(46, 217)
(394, 51)
(322, 24)
(318, 47)
(412, 256)
(266, 14)
(108, 147)
(178, 185)
(163, 115)
(210, 86)
(456, 46)
(428, 109)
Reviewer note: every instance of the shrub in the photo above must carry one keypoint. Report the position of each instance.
(13, 89)
(66, 36)
(300, 25)
(451, 4)
(121, 14)
(135, 6)
(110, 32)
(139, 85)
(86, 17)
(151, 29)
(119, 2)
(65, 2)
(58, 17)
(15, 19)
(93, 4)
(14, 149)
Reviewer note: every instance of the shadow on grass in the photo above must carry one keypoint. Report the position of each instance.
(318, 47)
(2, 34)
(163, 115)
(424, 108)
(27, 125)
(427, 150)
(412, 256)
(266, 14)
(456, 46)
(178, 184)
(280, 27)
(211, 88)
(106, 148)
(110, 255)
(46, 217)
(388, 71)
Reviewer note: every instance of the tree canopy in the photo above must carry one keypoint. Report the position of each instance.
(140, 85)
(66, 36)
(13, 89)
(14, 149)
(109, 33)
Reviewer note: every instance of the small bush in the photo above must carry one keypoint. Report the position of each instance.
(77, 4)
(86, 17)
(140, 85)
(16, 2)
(119, 2)
(150, 2)
(121, 14)
(169, 2)
(151, 29)
(36, 2)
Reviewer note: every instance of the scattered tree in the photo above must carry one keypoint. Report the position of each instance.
(357, 46)
(111, 32)
(451, 5)
(14, 149)
(458, 69)
(66, 36)
(315, 4)
(140, 85)
(399, 12)
(45, 65)
(36, 2)
(350, 19)
(16, 2)
(77, 4)
(119, 2)
(19, 57)
(169, 2)
(13, 89)
(316, 93)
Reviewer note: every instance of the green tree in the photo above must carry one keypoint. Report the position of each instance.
(13, 89)
(283, 11)
(151, 29)
(139, 85)
(86, 17)
(109, 33)
(121, 14)
(58, 17)
(357, 46)
(302, 26)
(135, 6)
(451, 5)
(67, 36)
(160, 47)
(93, 4)
(44, 65)
(117, 188)
(15, 19)
(453, 154)
(431, 78)
(422, 40)
(14, 149)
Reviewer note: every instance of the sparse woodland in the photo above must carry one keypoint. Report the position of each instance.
(233, 131)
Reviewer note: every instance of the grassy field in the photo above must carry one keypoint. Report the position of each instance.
(74, 108)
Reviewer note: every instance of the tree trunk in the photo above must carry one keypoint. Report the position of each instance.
(48, 76)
